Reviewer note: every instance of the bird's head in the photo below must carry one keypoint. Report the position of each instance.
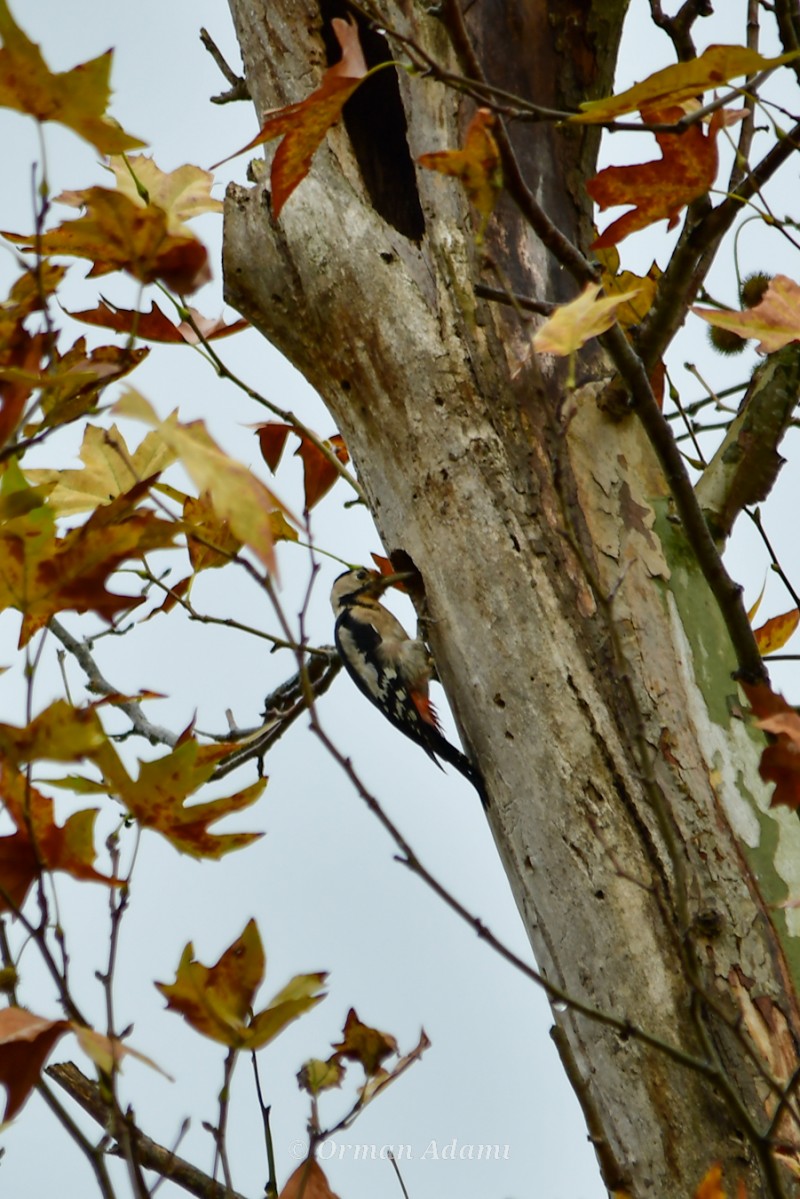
(362, 586)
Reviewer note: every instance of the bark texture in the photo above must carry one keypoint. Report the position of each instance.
(581, 652)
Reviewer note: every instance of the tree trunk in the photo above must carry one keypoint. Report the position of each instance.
(582, 653)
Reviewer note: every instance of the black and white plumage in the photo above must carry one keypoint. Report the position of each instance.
(390, 668)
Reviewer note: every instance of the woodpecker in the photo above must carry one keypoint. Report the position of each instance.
(392, 669)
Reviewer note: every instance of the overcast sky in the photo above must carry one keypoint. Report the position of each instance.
(322, 884)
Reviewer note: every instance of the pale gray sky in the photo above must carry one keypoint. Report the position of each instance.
(322, 884)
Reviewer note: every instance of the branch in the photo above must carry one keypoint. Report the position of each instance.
(679, 28)
(98, 684)
(238, 89)
(745, 467)
(727, 593)
(283, 706)
(150, 1154)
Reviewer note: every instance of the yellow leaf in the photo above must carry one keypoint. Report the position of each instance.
(751, 612)
(182, 194)
(682, 81)
(76, 98)
(573, 324)
(109, 470)
(218, 1000)
(237, 495)
(774, 633)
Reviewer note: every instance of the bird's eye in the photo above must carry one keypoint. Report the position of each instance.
(361, 574)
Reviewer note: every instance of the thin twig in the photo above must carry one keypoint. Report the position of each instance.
(152, 1155)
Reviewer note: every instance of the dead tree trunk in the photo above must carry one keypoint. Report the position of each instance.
(582, 652)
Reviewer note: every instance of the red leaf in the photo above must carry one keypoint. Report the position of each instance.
(304, 125)
(660, 189)
(25, 1044)
(780, 761)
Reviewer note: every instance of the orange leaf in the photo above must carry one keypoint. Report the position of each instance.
(573, 324)
(76, 98)
(69, 848)
(117, 233)
(659, 189)
(272, 439)
(776, 631)
(780, 761)
(308, 1181)
(682, 81)
(775, 320)
(304, 125)
(319, 473)
(25, 1044)
(218, 1000)
(477, 165)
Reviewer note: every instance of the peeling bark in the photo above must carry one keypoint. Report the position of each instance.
(581, 651)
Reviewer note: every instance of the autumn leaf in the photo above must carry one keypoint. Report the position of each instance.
(316, 1076)
(573, 324)
(108, 1053)
(774, 633)
(60, 733)
(155, 325)
(642, 288)
(25, 1044)
(682, 81)
(368, 1046)
(109, 470)
(780, 761)
(70, 383)
(319, 473)
(775, 320)
(157, 797)
(19, 868)
(218, 1000)
(182, 194)
(68, 848)
(210, 541)
(42, 574)
(303, 126)
(77, 98)
(660, 189)
(308, 1181)
(477, 166)
(237, 495)
(117, 233)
